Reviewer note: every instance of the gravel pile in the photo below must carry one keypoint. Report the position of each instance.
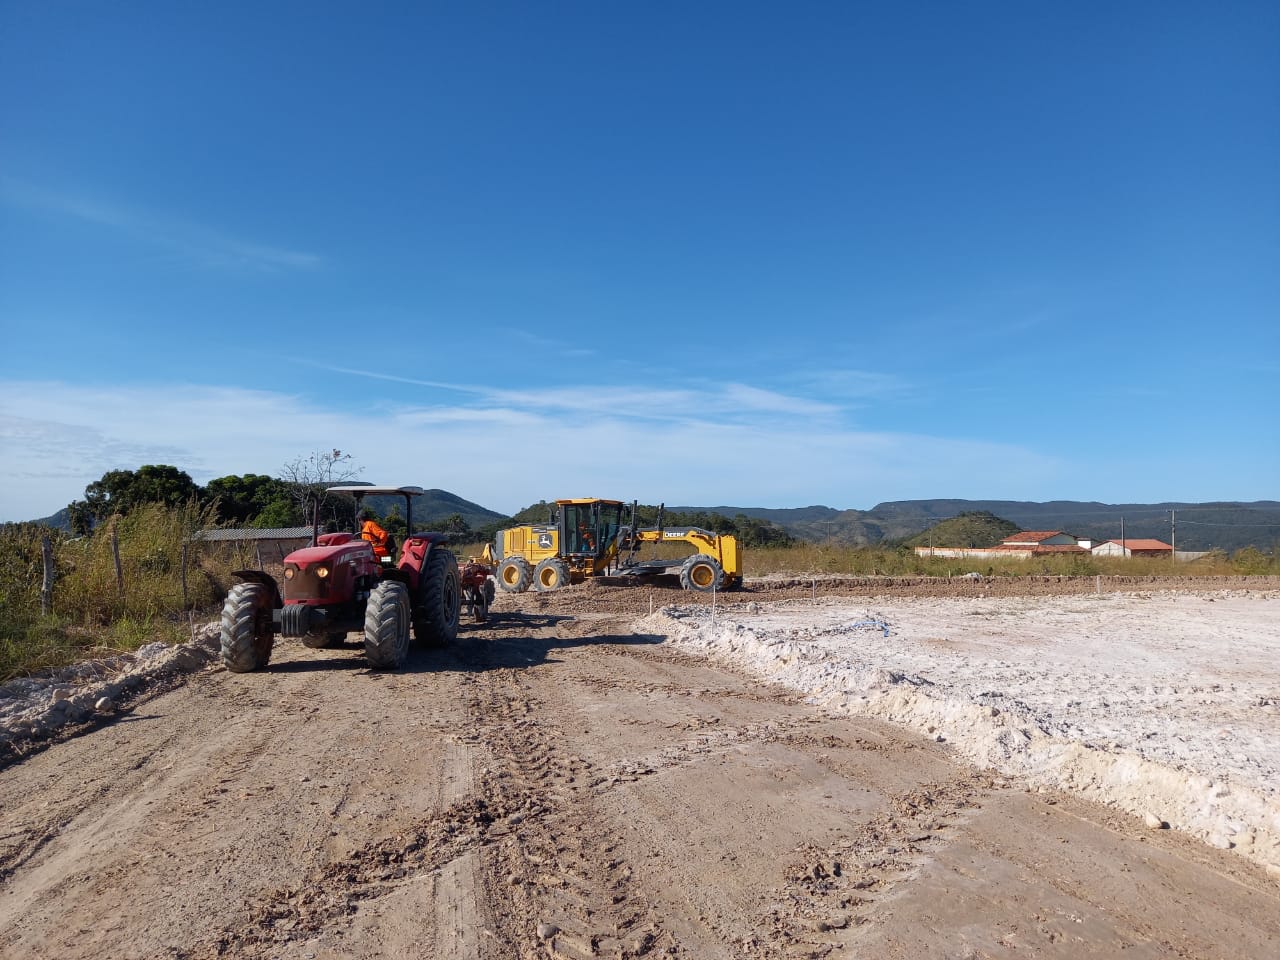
(36, 709)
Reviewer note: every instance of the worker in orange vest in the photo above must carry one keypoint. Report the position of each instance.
(378, 538)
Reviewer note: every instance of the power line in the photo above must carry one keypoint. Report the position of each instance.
(1228, 523)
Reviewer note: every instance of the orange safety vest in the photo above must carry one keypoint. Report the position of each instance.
(375, 535)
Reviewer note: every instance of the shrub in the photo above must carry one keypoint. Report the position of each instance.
(94, 608)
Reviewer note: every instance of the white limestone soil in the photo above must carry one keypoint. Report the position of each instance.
(1166, 705)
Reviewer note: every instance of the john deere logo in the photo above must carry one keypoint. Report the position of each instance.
(544, 541)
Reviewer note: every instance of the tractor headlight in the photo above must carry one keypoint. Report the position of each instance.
(322, 571)
(290, 572)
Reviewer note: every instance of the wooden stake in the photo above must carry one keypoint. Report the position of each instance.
(46, 587)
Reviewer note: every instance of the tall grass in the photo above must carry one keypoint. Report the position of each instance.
(94, 610)
(818, 559)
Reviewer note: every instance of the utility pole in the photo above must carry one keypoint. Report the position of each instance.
(1173, 534)
(1122, 547)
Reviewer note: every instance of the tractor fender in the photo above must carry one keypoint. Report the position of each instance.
(258, 576)
(413, 557)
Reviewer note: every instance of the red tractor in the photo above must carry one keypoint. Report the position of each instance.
(339, 585)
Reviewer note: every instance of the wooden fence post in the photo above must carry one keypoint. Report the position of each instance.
(115, 556)
(46, 586)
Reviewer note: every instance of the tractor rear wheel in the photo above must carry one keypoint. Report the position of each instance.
(702, 573)
(550, 574)
(246, 638)
(435, 618)
(515, 575)
(386, 625)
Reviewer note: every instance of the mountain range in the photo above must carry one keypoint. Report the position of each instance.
(1225, 525)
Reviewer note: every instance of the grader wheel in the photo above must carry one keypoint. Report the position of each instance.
(515, 575)
(550, 574)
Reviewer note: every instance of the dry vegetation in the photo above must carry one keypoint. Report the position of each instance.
(163, 584)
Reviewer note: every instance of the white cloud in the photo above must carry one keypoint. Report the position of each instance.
(716, 401)
(56, 438)
(196, 243)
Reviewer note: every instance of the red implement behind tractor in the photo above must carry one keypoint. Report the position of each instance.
(477, 588)
(338, 586)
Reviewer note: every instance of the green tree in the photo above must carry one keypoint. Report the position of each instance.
(454, 523)
(754, 532)
(974, 528)
(243, 499)
(119, 491)
(394, 522)
(1251, 561)
(278, 513)
(79, 518)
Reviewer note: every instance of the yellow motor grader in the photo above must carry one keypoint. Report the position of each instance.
(590, 537)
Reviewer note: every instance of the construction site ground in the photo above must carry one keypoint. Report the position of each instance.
(561, 783)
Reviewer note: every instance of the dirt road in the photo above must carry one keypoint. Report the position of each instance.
(555, 785)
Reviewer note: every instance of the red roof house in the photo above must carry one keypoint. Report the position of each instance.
(1129, 547)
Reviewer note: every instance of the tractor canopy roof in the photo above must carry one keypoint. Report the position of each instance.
(366, 490)
(586, 500)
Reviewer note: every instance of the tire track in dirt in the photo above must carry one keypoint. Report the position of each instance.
(832, 889)
(333, 891)
(567, 892)
(812, 901)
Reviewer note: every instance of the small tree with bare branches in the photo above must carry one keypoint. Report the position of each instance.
(310, 477)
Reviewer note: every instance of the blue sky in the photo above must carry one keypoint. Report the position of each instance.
(714, 253)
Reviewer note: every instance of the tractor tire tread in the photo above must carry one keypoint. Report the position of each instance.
(435, 618)
(386, 625)
(243, 645)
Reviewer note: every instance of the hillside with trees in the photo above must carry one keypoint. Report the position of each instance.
(1220, 525)
(977, 528)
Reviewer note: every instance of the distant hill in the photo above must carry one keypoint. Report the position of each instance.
(976, 529)
(59, 521)
(1228, 525)
(434, 507)
(438, 505)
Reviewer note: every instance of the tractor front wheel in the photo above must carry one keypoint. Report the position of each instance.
(246, 638)
(515, 575)
(550, 574)
(386, 625)
(435, 619)
(702, 573)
